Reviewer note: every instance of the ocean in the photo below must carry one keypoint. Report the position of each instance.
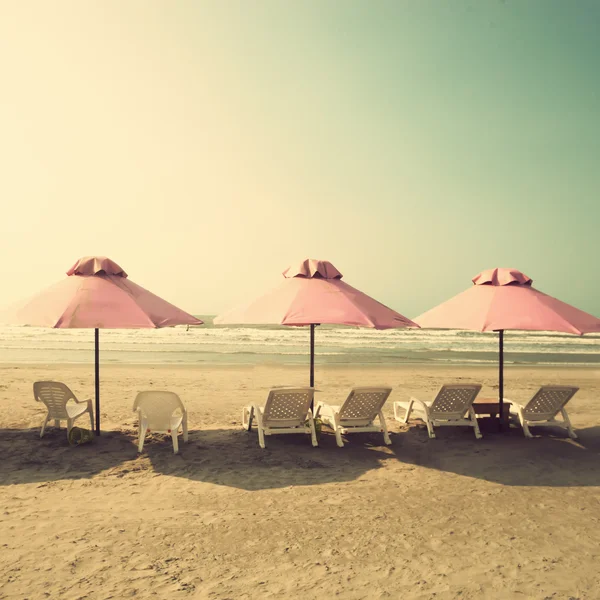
(210, 344)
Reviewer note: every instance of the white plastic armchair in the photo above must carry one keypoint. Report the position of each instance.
(453, 405)
(158, 411)
(287, 410)
(57, 396)
(543, 408)
(357, 414)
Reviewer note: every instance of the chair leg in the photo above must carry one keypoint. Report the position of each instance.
(430, 430)
(568, 425)
(175, 441)
(57, 423)
(338, 432)
(247, 417)
(386, 436)
(313, 431)
(69, 426)
(261, 436)
(525, 427)
(141, 436)
(44, 423)
(475, 423)
(91, 419)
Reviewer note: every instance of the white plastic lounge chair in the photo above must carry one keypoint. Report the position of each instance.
(287, 411)
(157, 411)
(453, 405)
(56, 397)
(357, 413)
(542, 409)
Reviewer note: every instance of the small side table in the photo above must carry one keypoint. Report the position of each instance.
(491, 407)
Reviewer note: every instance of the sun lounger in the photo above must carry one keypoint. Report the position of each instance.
(160, 412)
(357, 414)
(287, 410)
(542, 409)
(453, 405)
(56, 396)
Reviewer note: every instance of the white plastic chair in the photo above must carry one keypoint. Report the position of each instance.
(287, 410)
(542, 409)
(453, 405)
(357, 414)
(157, 411)
(56, 396)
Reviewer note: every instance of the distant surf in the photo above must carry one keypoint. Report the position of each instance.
(210, 344)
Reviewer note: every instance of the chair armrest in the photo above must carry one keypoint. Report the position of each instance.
(513, 403)
(420, 402)
(317, 407)
(89, 401)
(323, 407)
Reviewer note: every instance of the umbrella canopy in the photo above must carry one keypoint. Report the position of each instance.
(311, 294)
(503, 299)
(97, 295)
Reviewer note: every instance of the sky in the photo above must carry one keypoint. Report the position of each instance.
(207, 145)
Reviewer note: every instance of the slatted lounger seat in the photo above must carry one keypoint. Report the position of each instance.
(287, 410)
(543, 408)
(357, 414)
(453, 405)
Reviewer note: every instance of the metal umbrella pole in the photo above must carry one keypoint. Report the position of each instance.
(97, 360)
(501, 378)
(312, 355)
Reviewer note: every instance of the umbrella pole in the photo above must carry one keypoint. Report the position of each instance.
(312, 355)
(501, 378)
(97, 357)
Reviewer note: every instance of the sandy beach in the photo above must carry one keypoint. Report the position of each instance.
(503, 517)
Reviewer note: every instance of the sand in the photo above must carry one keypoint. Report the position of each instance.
(503, 517)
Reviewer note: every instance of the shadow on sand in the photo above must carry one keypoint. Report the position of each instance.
(28, 459)
(231, 457)
(508, 458)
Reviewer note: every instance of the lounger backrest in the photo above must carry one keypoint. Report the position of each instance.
(55, 396)
(287, 407)
(158, 407)
(453, 401)
(547, 402)
(363, 404)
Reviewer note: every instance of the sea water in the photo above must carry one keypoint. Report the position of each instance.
(210, 344)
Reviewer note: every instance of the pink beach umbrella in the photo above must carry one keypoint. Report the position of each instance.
(313, 294)
(502, 299)
(98, 295)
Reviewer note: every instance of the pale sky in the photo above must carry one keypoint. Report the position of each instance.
(206, 145)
